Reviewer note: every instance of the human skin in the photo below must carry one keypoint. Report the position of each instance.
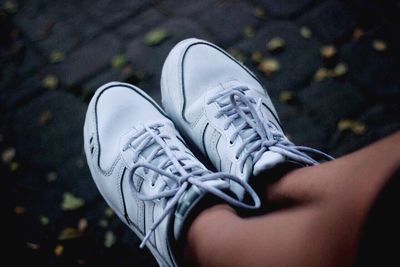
(322, 225)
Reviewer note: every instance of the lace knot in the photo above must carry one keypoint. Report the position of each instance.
(178, 170)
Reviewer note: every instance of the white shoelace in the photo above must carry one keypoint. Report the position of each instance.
(180, 168)
(262, 134)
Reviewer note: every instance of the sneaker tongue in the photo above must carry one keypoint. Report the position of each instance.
(267, 161)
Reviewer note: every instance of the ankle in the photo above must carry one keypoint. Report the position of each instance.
(200, 237)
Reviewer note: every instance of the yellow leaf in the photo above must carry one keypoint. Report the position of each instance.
(328, 51)
(269, 66)
(379, 45)
(305, 32)
(50, 82)
(321, 74)
(359, 128)
(69, 233)
(57, 56)
(44, 220)
(340, 70)
(257, 57)
(344, 125)
(155, 37)
(8, 155)
(248, 32)
(72, 202)
(58, 250)
(286, 97)
(109, 239)
(276, 44)
(108, 212)
(118, 62)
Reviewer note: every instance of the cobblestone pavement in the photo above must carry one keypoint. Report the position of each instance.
(331, 67)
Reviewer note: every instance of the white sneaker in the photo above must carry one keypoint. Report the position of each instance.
(221, 107)
(144, 170)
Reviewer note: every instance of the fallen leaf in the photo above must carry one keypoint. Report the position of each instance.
(58, 250)
(69, 233)
(257, 57)
(340, 70)
(19, 210)
(359, 128)
(287, 97)
(32, 246)
(259, 13)
(269, 66)
(72, 202)
(51, 177)
(108, 212)
(8, 155)
(358, 33)
(248, 32)
(45, 118)
(344, 125)
(57, 57)
(155, 37)
(109, 239)
(276, 44)
(11, 7)
(328, 51)
(82, 225)
(44, 220)
(305, 32)
(14, 166)
(321, 74)
(118, 62)
(379, 45)
(50, 82)
(103, 223)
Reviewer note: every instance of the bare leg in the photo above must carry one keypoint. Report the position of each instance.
(322, 228)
